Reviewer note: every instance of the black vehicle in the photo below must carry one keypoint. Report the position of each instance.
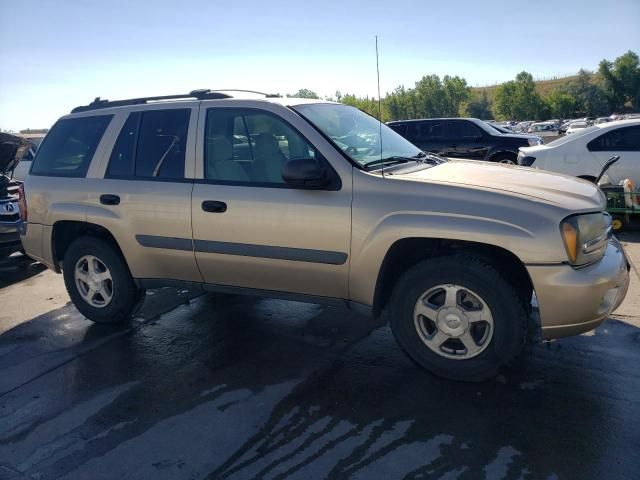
(467, 138)
(11, 150)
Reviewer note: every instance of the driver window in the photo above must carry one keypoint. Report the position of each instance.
(249, 146)
(463, 129)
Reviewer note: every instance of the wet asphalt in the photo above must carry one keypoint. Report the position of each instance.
(214, 386)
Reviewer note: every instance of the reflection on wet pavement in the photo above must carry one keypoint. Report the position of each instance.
(236, 387)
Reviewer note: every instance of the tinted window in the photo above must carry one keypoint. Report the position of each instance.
(161, 145)
(250, 146)
(69, 146)
(400, 128)
(122, 159)
(626, 139)
(426, 131)
(460, 129)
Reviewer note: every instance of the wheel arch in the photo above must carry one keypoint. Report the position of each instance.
(406, 252)
(511, 151)
(64, 232)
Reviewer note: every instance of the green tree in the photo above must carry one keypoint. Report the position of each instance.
(478, 107)
(304, 93)
(518, 99)
(621, 80)
(429, 97)
(456, 92)
(366, 104)
(561, 104)
(504, 100)
(591, 99)
(401, 104)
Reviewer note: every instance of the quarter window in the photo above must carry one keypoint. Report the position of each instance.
(625, 139)
(249, 146)
(69, 146)
(151, 144)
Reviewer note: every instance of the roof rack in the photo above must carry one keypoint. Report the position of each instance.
(204, 94)
(267, 95)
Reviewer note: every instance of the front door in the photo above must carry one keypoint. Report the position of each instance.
(253, 230)
(465, 140)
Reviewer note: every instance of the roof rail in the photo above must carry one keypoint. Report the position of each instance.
(267, 95)
(203, 94)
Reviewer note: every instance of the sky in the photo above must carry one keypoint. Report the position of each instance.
(57, 54)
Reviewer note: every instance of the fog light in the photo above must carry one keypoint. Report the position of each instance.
(608, 301)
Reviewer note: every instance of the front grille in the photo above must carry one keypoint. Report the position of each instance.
(9, 211)
(14, 217)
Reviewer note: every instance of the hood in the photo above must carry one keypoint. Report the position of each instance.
(12, 147)
(552, 188)
(518, 136)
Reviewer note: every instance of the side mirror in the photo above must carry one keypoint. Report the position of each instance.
(306, 173)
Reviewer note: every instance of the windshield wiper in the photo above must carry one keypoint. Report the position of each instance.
(421, 157)
(389, 160)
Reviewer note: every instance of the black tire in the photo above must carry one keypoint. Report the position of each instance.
(126, 296)
(508, 158)
(510, 319)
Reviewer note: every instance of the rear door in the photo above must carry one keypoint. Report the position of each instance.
(250, 228)
(465, 140)
(623, 141)
(143, 191)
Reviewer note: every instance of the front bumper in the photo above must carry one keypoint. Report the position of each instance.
(575, 300)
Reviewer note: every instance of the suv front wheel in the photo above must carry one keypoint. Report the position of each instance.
(99, 282)
(457, 317)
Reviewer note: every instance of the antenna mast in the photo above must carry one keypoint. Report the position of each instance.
(379, 106)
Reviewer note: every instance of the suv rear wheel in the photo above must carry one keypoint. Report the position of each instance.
(457, 317)
(99, 282)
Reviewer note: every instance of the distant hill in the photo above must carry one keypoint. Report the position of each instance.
(543, 87)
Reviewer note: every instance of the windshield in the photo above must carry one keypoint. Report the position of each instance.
(356, 133)
(498, 128)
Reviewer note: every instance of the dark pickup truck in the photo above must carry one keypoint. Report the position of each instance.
(467, 138)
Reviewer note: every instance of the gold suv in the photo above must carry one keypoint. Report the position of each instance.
(316, 201)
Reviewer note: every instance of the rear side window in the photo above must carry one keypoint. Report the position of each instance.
(151, 145)
(426, 131)
(626, 139)
(69, 146)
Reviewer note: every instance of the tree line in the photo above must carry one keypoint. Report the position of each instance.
(614, 87)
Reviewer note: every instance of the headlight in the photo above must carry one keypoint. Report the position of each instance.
(586, 237)
(535, 141)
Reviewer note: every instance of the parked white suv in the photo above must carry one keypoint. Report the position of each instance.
(584, 153)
